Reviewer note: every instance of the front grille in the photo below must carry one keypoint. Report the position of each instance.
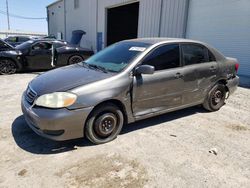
(30, 95)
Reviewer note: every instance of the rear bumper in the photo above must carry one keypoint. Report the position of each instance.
(232, 84)
(55, 124)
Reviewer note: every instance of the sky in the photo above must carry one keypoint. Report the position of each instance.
(26, 8)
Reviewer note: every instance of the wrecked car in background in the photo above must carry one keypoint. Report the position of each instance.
(17, 40)
(40, 54)
(127, 82)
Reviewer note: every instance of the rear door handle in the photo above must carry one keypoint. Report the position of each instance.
(178, 75)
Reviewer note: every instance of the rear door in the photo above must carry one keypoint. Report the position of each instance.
(40, 55)
(200, 66)
(163, 89)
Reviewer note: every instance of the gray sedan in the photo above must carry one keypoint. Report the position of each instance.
(126, 82)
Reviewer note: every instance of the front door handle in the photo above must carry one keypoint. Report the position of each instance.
(212, 68)
(178, 75)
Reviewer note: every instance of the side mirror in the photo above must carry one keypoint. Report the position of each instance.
(145, 69)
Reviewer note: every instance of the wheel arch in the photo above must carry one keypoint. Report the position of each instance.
(115, 102)
(18, 64)
(76, 54)
(223, 82)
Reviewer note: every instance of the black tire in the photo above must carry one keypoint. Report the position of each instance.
(7, 66)
(75, 59)
(104, 124)
(216, 98)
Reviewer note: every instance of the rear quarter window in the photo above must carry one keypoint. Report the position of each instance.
(211, 56)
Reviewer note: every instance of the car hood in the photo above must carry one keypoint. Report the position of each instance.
(11, 52)
(66, 78)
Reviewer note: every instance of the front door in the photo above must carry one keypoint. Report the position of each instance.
(40, 56)
(163, 89)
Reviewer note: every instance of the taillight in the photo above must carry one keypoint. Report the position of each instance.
(237, 67)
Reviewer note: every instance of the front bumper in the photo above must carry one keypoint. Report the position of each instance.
(232, 84)
(55, 124)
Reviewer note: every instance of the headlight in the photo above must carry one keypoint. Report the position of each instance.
(56, 100)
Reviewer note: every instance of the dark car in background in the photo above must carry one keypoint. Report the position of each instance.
(127, 82)
(17, 40)
(39, 54)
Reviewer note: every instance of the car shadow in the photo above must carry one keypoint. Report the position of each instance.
(29, 141)
(153, 121)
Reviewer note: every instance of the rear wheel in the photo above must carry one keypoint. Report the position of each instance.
(7, 66)
(216, 98)
(75, 59)
(104, 124)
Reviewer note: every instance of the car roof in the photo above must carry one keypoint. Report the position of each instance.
(47, 40)
(158, 41)
(153, 41)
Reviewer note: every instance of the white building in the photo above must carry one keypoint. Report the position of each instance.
(6, 33)
(225, 24)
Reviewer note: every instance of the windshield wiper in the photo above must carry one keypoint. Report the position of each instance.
(99, 68)
(96, 67)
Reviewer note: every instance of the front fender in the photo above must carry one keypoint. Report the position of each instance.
(114, 88)
(14, 57)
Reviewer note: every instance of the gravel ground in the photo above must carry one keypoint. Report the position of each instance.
(171, 150)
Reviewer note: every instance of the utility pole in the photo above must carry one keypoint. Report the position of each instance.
(8, 19)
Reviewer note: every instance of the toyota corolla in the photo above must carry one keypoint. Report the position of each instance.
(126, 82)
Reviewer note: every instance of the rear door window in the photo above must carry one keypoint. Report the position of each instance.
(194, 54)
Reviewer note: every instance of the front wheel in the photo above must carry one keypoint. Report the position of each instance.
(216, 98)
(104, 124)
(75, 59)
(7, 66)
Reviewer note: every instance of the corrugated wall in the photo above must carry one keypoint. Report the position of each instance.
(91, 17)
(149, 18)
(173, 18)
(56, 18)
(83, 18)
(162, 18)
(227, 28)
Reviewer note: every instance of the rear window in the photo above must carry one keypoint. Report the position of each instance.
(23, 39)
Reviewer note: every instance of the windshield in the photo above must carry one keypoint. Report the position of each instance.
(117, 56)
(24, 45)
(4, 45)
